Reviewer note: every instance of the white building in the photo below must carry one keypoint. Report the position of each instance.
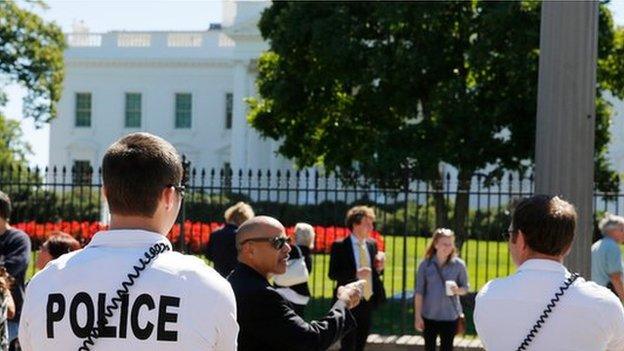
(187, 87)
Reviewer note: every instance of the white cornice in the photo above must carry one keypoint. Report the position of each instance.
(117, 62)
(247, 30)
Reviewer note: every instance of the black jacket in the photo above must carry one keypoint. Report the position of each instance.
(221, 249)
(14, 256)
(268, 322)
(342, 267)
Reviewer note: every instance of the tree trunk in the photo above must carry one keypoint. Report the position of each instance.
(441, 209)
(462, 205)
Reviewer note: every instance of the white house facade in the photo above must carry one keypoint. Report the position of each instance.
(187, 87)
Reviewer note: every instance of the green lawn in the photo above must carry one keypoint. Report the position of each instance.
(485, 260)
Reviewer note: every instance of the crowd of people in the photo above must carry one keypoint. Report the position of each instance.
(127, 287)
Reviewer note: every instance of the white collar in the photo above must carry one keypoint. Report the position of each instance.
(355, 241)
(127, 238)
(538, 264)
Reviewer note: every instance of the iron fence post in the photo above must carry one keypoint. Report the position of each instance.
(185, 172)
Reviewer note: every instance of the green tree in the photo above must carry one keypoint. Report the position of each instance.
(31, 54)
(362, 87)
(13, 148)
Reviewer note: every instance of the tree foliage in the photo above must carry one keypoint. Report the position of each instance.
(361, 87)
(13, 148)
(31, 54)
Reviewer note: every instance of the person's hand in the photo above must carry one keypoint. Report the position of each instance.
(419, 324)
(350, 294)
(364, 273)
(455, 290)
(380, 261)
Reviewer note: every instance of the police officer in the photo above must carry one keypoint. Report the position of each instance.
(126, 287)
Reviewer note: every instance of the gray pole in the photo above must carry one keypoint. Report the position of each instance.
(566, 114)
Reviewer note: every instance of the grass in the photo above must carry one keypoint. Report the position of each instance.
(485, 260)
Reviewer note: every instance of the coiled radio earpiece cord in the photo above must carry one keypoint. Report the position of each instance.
(149, 256)
(546, 313)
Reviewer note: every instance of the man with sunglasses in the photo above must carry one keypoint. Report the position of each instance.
(267, 321)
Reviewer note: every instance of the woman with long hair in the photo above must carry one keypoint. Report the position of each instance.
(440, 280)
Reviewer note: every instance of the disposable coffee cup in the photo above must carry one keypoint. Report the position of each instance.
(449, 286)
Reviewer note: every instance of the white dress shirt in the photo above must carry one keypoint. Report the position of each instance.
(177, 303)
(588, 317)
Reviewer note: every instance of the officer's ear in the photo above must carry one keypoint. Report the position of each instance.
(169, 196)
(521, 241)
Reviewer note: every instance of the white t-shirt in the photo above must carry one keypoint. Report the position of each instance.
(588, 317)
(177, 303)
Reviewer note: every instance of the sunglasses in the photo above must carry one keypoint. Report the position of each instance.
(181, 189)
(507, 234)
(276, 242)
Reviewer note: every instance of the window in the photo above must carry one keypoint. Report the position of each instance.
(229, 105)
(183, 110)
(81, 172)
(83, 109)
(133, 110)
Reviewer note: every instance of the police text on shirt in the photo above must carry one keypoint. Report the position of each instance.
(59, 307)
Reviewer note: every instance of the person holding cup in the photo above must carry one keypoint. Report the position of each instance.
(440, 280)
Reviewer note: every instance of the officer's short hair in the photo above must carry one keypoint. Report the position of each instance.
(547, 222)
(5, 206)
(136, 169)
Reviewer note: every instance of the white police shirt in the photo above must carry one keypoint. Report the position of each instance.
(177, 303)
(588, 317)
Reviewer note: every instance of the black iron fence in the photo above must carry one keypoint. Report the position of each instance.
(406, 215)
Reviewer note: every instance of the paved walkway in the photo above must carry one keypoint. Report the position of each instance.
(378, 342)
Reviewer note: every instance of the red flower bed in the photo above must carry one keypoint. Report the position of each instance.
(196, 234)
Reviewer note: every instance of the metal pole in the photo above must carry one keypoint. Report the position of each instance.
(408, 175)
(185, 173)
(564, 151)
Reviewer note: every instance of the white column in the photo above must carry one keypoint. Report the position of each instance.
(566, 112)
(238, 155)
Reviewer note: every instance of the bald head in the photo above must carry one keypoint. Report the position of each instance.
(258, 227)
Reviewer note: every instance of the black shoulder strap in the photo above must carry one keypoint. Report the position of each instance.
(453, 301)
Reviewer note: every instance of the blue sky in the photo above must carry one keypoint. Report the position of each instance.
(103, 16)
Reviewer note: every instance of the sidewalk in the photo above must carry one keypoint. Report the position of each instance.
(378, 342)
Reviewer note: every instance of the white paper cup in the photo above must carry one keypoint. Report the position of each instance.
(449, 286)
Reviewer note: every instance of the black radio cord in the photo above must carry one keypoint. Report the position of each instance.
(149, 256)
(546, 313)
